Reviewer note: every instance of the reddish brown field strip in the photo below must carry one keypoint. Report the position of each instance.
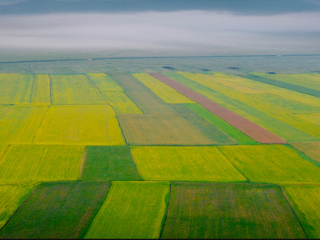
(251, 129)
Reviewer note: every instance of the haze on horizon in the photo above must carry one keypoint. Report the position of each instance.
(179, 27)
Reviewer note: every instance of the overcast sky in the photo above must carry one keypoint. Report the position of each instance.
(179, 29)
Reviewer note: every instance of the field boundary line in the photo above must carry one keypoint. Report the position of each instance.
(163, 223)
(84, 156)
(22, 204)
(5, 151)
(296, 216)
(32, 87)
(135, 163)
(34, 138)
(51, 95)
(96, 88)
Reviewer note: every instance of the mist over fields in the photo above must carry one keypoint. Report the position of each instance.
(178, 27)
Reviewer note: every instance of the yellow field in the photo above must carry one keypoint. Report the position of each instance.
(271, 164)
(270, 109)
(3, 148)
(72, 125)
(15, 88)
(19, 124)
(74, 89)
(163, 91)
(40, 94)
(11, 197)
(311, 117)
(121, 103)
(184, 164)
(36, 163)
(104, 82)
(305, 202)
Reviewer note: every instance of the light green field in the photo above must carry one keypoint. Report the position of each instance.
(184, 164)
(36, 163)
(83, 125)
(74, 89)
(311, 149)
(305, 203)
(131, 210)
(271, 164)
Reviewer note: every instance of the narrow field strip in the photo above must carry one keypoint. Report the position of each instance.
(104, 82)
(37, 163)
(162, 90)
(225, 127)
(74, 89)
(40, 94)
(272, 164)
(311, 149)
(11, 197)
(305, 202)
(215, 211)
(19, 124)
(80, 125)
(57, 210)
(161, 129)
(121, 103)
(15, 88)
(131, 210)
(251, 129)
(109, 164)
(184, 164)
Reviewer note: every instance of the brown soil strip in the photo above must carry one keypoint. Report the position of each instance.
(251, 129)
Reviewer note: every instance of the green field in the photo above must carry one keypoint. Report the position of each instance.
(97, 152)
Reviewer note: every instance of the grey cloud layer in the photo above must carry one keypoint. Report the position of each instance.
(155, 30)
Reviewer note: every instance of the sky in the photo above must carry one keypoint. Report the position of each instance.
(178, 27)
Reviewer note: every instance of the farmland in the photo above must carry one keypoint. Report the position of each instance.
(152, 152)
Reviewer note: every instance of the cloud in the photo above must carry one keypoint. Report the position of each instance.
(182, 31)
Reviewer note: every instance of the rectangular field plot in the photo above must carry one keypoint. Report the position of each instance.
(184, 164)
(74, 89)
(305, 203)
(15, 88)
(161, 129)
(19, 124)
(230, 130)
(121, 103)
(209, 130)
(11, 197)
(109, 164)
(200, 210)
(82, 125)
(163, 91)
(59, 210)
(36, 163)
(40, 94)
(272, 164)
(311, 149)
(131, 210)
(104, 82)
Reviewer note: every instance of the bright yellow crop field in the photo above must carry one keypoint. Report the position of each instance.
(40, 94)
(104, 82)
(11, 197)
(184, 164)
(83, 125)
(15, 88)
(271, 164)
(38, 163)
(121, 103)
(19, 124)
(74, 89)
(163, 91)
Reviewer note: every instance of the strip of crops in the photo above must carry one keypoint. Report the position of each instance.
(60, 210)
(272, 164)
(184, 164)
(36, 163)
(215, 211)
(40, 94)
(131, 210)
(104, 82)
(311, 149)
(88, 125)
(109, 163)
